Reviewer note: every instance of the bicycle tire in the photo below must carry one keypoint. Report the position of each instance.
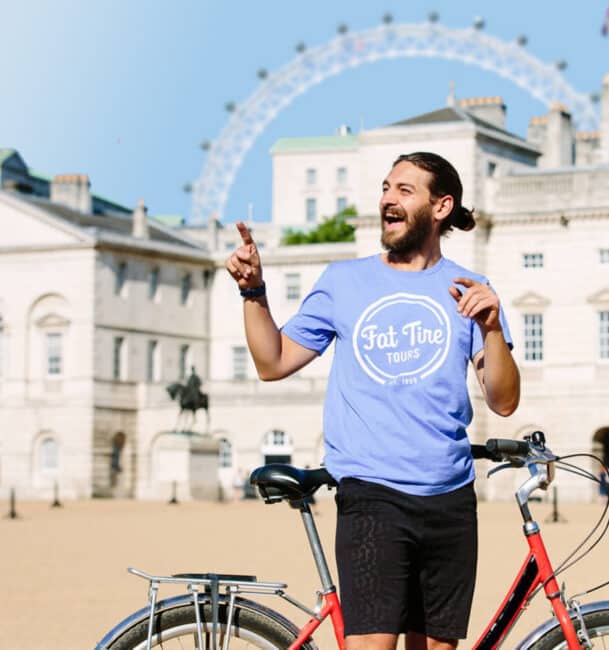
(597, 624)
(253, 626)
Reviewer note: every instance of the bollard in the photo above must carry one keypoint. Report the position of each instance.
(56, 502)
(555, 516)
(12, 513)
(174, 494)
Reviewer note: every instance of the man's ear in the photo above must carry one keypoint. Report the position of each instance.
(443, 207)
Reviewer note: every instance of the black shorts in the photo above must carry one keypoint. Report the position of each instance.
(405, 562)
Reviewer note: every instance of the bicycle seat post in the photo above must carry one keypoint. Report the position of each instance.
(316, 547)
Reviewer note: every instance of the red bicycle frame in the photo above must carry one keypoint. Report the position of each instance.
(536, 570)
(332, 608)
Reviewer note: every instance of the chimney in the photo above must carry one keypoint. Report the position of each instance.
(72, 191)
(140, 221)
(537, 132)
(560, 138)
(489, 109)
(605, 120)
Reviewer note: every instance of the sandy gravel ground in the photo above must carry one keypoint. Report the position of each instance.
(64, 579)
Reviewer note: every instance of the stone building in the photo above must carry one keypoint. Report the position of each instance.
(78, 277)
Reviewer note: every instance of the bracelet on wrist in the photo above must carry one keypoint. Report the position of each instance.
(256, 292)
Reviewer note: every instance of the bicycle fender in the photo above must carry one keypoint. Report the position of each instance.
(552, 623)
(143, 613)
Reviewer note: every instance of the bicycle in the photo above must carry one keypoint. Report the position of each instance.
(214, 614)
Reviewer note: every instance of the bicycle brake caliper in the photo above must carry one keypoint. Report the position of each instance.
(582, 633)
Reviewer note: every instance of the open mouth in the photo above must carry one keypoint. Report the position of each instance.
(392, 221)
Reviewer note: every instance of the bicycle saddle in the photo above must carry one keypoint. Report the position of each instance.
(276, 482)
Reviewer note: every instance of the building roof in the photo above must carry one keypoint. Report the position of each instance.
(456, 114)
(6, 153)
(316, 143)
(170, 220)
(112, 224)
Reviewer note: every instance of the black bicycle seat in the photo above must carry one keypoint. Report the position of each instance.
(276, 481)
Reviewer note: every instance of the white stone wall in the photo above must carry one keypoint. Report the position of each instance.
(46, 291)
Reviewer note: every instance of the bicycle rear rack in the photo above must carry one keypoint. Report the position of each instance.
(213, 583)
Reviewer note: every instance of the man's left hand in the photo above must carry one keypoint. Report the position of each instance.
(478, 302)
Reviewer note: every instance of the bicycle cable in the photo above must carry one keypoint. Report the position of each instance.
(569, 561)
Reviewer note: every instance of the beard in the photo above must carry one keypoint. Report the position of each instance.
(418, 228)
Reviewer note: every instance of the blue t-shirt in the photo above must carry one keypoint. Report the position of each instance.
(397, 405)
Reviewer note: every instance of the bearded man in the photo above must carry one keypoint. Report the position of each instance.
(407, 323)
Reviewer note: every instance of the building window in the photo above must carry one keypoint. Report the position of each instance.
(153, 365)
(118, 358)
(311, 208)
(153, 283)
(120, 279)
(292, 286)
(604, 334)
(207, 276)
(185, 287)
(532, 260)
(533, 337)
(239, 362)
(341, 204)
(491, 168)
(185, 360)
(276, 438)
(225, 453)
(341, 176)
(54, 354)
(311, 176)
(49, 455)
(604, 255)
(277, 447)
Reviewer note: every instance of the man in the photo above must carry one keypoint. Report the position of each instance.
(406, 323)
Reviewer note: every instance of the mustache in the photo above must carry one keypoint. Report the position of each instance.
(395, 211)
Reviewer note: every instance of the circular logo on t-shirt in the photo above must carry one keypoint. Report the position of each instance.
(402, 338)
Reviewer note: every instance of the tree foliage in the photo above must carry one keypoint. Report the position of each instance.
(331, 229)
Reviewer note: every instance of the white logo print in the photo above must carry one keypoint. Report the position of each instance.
(402, 338)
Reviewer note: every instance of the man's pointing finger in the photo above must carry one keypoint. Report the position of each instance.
(246, 237)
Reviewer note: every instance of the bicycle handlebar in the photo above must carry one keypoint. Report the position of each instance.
(498, 449)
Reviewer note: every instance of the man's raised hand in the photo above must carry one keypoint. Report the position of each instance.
(244, 264)
(478, 302)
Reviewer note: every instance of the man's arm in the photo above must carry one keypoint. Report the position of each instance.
(495, 367)
(275, 355)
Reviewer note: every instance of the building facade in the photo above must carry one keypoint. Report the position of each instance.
(101, 307)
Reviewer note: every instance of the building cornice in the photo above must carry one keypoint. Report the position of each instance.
(151, 332)
(151, 248)
(301, 254)
(46, 248)
(562, 217)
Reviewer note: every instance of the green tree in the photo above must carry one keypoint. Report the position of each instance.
(331, 229)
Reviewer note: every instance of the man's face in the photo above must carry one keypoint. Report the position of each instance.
(406, 209)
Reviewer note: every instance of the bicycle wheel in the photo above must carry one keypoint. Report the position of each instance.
(252, 626)
(597, 624)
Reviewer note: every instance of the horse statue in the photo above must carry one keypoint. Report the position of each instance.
(191, 399)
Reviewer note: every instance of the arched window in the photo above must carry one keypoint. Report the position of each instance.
(601, 444)
(277, 447)
(48, 455)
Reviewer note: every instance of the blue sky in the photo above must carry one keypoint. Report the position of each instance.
(125, 90)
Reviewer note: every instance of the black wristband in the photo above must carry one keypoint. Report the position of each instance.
(256, 292)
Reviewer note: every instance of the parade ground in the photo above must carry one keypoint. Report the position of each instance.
(65, 583)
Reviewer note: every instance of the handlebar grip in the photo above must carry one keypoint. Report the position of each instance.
(499, 448)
